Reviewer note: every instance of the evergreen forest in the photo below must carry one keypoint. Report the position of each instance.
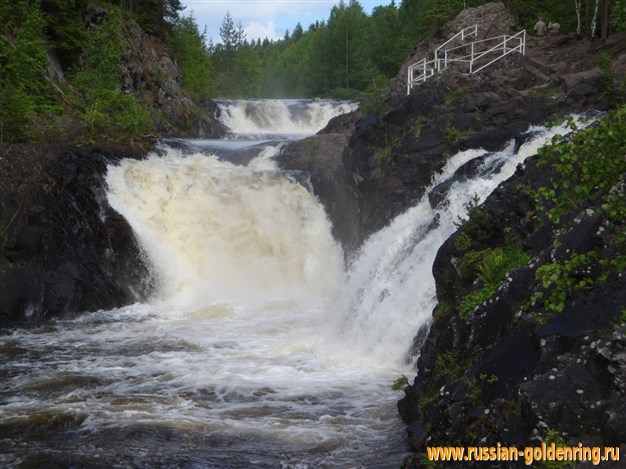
(352, 55)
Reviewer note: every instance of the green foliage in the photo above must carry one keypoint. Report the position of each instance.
(193, 59)
(65, 28)
(374, 101)
(489, 379)
(23, 61)
(105, 108)
(554, 437)
(450, 134)
(476, 230)
(400, 383)
(590, 169)
(451, 364)
(614, 86)
(498, 262)
(475, 298)
(351, 55)
(443, 307)
(454, 96)
(442, 11)
(156, 17)
(424, 400)
(561, 279)
(591, 163)
(492, 266)
(618, 15)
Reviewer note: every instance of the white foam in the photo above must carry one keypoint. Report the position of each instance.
(283, 117)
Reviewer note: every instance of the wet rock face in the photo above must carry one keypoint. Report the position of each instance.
(64, 250)
(317, 163)
(519, 372)
(390, 159)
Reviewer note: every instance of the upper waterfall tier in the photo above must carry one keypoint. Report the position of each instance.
(280, 117)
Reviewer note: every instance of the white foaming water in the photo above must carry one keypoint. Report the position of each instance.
(216, 232)
(295, 118)
(259, 349)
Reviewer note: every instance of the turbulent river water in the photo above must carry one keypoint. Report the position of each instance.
(260, 348)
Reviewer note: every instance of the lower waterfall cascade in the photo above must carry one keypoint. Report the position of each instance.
(260, 347)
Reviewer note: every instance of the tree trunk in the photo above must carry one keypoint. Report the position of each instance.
(604, 28)
(347, 64)
(577, 5)
(594, 21)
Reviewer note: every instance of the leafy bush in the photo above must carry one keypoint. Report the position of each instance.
(492, 266)
(400, 383)
(451, 364)
(590, 171)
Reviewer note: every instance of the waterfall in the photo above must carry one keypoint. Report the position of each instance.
(390, 292)
(260, 347)
(215, 231)
(295, 118)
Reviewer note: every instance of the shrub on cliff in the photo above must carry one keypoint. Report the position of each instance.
(590, 174)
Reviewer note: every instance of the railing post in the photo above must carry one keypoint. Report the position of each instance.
(408, 81)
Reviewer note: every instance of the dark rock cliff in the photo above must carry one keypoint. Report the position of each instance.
(509, 370)
(64, 250)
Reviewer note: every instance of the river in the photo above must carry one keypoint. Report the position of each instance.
(259, 347)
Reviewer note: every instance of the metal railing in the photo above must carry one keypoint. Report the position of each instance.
(419, 72)
(478, 50)
(478, 55)
(469, 31)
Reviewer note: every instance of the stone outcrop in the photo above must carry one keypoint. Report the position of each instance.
(492, 19)
(64, 250)
(151, 73)
(510, 371)
(317, 161)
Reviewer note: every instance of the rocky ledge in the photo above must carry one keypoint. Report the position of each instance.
(540, 355)
(64, 250)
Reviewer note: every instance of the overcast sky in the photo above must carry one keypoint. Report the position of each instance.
(261, 19)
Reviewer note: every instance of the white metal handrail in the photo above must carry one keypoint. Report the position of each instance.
(504, 44)
(429, 67)
(427, 70)
(506, 50)
(469, 31)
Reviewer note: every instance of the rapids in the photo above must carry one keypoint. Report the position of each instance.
(259, 347)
